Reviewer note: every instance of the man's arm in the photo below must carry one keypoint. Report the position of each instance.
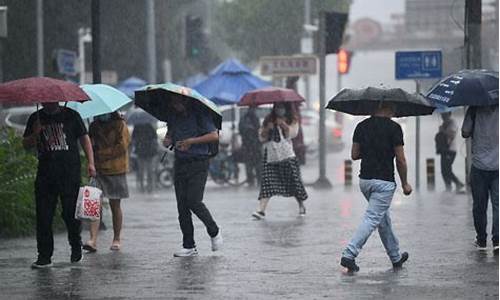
(204, 139)
(356, 151)
(89, 153)
(402, 169)
(468, 125)
(30, 139)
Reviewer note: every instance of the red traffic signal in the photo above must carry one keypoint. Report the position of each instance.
(343, 61)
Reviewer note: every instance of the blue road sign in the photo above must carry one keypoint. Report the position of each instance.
(418, 64)
(66, 62)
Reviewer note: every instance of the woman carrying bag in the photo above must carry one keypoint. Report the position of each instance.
(281, 171)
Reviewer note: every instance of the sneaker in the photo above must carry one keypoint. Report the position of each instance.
(399, 264)
(460, 188)
(495, 247)
(302, 210)
(480, 246)
(42, 263)
(350, 264)
(259, 215)
(76, 255)
(184, 252)
(217, 242)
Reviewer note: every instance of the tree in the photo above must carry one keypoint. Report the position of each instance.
(267, 27)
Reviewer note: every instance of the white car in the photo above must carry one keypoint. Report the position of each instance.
(17, 117)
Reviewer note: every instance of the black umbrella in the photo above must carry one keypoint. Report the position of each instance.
(366, 101)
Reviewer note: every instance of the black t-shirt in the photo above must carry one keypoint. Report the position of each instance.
(58, 142)
(377, 137)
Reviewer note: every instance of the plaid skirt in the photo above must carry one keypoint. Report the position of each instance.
(282, 178)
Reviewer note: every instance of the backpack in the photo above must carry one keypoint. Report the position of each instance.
(441, 141)
(213, 148)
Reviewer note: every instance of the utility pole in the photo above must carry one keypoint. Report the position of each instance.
(39, 38)
(96, 41)
(322, 181)
(307, 39)
(151, 41)
(473, 57)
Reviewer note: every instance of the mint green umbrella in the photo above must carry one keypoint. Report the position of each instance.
(154, 98)
(104, 99)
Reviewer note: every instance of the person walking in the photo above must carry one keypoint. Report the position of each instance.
(191, 130)
(145, 145)
(446, 147)
(281, 170)
(110, 140)
(377, 141)
(55, 132)
(251, 146)
(481, 125)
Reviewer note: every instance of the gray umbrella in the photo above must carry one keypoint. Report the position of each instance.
(361, 102)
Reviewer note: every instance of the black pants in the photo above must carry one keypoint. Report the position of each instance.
(53, 183)
(484, 185)
(447, 159)
(190, 177)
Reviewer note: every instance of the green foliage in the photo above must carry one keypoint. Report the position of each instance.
(17, 175)
(267, 27)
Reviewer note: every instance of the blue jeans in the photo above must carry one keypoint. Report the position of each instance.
(484, 185)
(379, 194)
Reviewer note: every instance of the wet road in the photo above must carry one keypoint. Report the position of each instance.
(283, 257)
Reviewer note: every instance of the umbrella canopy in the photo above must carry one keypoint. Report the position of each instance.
(466, 88)
(228, 82)
(139, 116)
(105, 99)
(40, 90)
(366, 101)
(269, 95)
(129, 85)
(154, 99)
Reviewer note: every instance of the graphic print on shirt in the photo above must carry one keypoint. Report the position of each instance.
(54, 138)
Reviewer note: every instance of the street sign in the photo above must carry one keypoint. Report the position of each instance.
(288, 65)
(66, 62)
(418, 64)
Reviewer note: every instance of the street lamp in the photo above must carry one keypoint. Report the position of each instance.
(84, 36)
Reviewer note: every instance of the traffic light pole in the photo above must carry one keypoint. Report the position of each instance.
(322, 181)
(96, 41)
(417, 143)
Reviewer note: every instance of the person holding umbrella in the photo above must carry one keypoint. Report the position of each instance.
(377, 141)
(192, 122)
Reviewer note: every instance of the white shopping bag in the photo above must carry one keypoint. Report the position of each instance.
(88, 205)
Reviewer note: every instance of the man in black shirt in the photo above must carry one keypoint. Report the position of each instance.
(377, 141)
(55, 131)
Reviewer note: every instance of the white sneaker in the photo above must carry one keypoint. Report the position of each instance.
(186, 252)
(217, 242)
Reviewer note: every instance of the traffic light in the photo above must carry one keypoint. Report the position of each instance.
(195, 37)
(334, 31)
(343, 61)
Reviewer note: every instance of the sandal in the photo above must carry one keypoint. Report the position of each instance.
(115, 247)
(89, 248)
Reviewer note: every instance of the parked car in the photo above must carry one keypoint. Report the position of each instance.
(16, 117)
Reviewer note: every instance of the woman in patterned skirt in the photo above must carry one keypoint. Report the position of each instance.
(280, 172)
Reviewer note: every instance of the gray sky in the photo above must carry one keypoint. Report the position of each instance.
(379, 10)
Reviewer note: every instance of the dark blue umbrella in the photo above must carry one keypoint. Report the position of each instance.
(227, 83)
(129, 85)
(466, 88)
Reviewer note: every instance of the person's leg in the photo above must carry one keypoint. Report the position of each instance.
(150, 174)
(69, 195)
(378, 205)
(45, 206)
(453, 177)
(445, 170)
(117, 215)
(196, 181)
(250, 172)
(389, 239)
(185, 221)
(479, 187)
(494, 205)
(91, 244)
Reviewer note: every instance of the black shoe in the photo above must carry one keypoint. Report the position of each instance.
(480, 245)
(259, 215)
(42, 263)
(495, 248)
(350, 264)
(76, 254)
(399, 264)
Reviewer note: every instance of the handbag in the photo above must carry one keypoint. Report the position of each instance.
(279, 150)
(88, 204)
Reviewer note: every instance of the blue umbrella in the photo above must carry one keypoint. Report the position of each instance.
(466, 88)
(129, 85)
(104, 99)
(228, 82)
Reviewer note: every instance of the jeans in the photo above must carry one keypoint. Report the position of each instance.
(379, 194)
(56, 181)
(447, 159)
(484, 185)
(190, 177)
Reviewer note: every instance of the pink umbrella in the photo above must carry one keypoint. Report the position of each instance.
(269, 95)
(39, 90)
